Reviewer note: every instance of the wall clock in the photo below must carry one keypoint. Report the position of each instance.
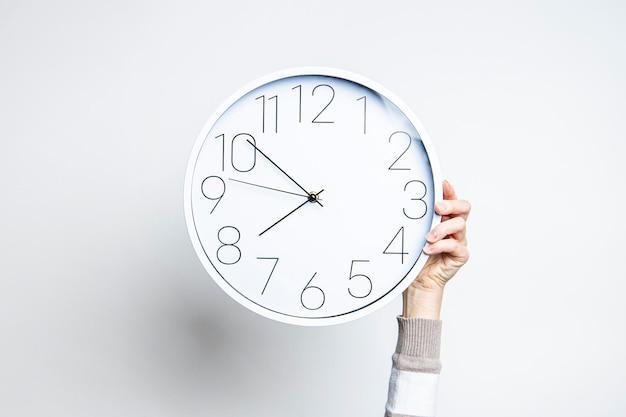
(308, 195)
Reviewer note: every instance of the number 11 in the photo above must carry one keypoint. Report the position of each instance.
(275, 112)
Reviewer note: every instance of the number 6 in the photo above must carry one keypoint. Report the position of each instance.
(311, 297)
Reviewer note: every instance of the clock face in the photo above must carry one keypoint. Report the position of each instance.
(308, 196)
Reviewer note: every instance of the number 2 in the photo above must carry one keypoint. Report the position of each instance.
(327, 104)
(408, 145)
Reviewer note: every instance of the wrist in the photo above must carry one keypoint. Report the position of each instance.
(423, 303)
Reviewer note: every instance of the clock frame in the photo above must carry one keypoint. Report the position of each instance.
(308, 195)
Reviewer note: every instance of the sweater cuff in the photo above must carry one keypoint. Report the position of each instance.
(419, 337)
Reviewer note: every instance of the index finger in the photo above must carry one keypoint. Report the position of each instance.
(453, 208)
(448, 191)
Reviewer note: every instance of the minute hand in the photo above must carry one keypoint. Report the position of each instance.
(281, 170)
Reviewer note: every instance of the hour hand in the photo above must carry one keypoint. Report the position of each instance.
(311, 198)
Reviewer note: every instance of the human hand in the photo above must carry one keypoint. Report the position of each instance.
(447, 250)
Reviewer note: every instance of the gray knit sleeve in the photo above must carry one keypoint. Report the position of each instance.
(418, 347)
(415, 370)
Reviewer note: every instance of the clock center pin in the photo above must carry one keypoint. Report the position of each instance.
(314, 196)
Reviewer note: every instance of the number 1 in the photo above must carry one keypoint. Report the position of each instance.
(364, 98)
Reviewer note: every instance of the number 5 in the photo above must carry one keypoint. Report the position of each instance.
(361, 292)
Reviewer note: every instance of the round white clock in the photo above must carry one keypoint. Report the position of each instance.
(308, 195)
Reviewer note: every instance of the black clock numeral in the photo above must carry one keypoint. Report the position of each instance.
(332, 97)
(299, 88)
(398, 240)
(240, 142)
(312, 297)
(393, 166)
(242, 155)
(420, 208)
(228, 253)
(213, 188)
(271, 272)
(364, 98)
(263, 100)
(223, 148)
(362, 289)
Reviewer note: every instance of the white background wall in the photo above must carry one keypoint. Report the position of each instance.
(105, 309)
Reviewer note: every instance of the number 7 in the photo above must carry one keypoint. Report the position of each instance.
(271, 272)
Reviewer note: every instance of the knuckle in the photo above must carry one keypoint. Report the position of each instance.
(468, 206)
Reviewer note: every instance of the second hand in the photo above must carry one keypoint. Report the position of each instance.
(268, 188)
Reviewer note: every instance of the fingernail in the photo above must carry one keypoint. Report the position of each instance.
(441, 206)
(432, 235)
(428, 248)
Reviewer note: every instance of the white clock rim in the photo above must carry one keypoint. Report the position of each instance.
(200, 253)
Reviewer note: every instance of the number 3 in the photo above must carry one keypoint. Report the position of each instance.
(421, 209)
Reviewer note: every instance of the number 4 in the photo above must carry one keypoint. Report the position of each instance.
(394, 251)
